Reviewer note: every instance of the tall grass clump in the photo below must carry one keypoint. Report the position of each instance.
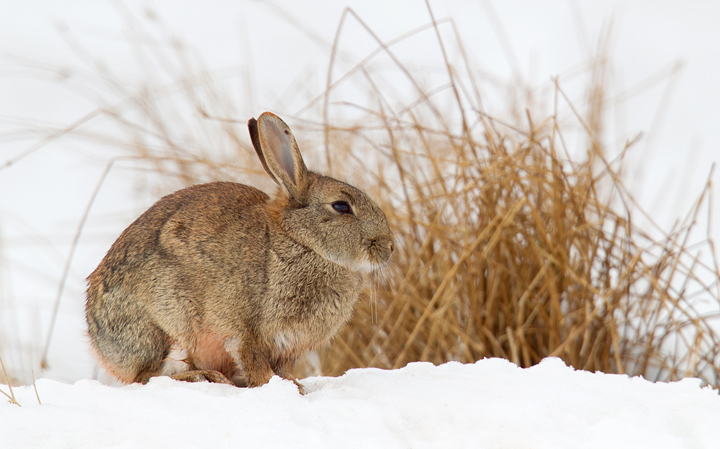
(516, 237)
(507, 249)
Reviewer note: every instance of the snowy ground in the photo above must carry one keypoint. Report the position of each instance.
(491, 404)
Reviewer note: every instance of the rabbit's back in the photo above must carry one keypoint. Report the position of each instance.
(196, 227)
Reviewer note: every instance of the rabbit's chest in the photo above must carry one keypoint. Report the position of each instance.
(311, 298)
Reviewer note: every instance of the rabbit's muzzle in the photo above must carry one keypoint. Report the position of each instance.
(379, 250)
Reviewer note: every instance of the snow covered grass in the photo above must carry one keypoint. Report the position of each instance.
(491, 403)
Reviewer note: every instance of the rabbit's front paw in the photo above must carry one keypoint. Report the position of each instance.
(299, 386)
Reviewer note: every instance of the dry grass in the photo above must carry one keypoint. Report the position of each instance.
(11, 395)
(507, 250)
(507, 246)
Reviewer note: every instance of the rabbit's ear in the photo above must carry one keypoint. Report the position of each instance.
(278, 152)
(252, 126)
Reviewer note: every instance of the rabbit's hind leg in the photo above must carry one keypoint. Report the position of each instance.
(130, 349)
(180, 366)
(202, 376)
(209, 361)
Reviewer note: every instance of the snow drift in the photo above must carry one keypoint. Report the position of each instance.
(491, 403)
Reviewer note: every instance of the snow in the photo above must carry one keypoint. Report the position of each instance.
(491, 404)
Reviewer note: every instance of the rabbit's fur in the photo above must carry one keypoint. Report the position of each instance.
(220, 281)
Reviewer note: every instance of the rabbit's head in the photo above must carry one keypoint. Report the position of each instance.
(332, 218)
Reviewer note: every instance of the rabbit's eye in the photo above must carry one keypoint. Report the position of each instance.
(342, 207)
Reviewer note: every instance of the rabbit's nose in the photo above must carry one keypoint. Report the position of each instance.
(392, 247)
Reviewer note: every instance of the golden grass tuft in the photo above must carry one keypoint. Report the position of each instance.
(508, 250)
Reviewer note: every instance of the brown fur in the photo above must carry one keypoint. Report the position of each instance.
(241, 282)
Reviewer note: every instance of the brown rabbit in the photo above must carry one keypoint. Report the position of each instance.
(221, 282)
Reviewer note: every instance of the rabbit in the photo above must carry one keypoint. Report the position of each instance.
(221, 282)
